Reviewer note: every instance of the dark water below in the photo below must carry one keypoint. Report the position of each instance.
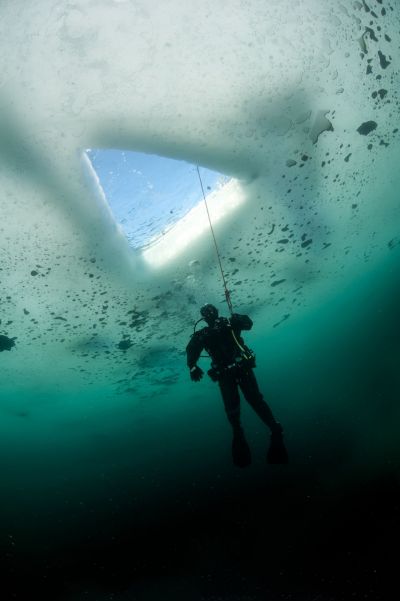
(162, 514)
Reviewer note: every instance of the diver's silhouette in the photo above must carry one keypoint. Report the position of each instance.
(232, 367)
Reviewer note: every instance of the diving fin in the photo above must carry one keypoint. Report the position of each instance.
(241, 454)
(277, 453)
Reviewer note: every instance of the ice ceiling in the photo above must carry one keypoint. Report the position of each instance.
(297, 102)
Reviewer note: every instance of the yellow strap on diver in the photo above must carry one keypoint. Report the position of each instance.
(237, 342)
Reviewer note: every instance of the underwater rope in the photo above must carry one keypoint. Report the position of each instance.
(227, 293)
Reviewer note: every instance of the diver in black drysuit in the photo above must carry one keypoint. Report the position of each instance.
(232, 367)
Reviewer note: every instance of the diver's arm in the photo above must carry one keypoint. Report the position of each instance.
(241, 322)
(193, 350)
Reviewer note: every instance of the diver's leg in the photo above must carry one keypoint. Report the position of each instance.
(253, 396)
(277, 451)
(230, 395)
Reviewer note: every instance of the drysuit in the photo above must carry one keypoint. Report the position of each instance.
(232, 364)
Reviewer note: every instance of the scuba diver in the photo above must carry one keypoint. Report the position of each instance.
(232, 364)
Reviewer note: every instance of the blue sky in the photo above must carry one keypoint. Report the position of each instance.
(147, 193)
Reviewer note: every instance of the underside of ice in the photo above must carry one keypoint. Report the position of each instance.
(281, 97)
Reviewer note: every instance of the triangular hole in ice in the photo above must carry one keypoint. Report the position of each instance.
(148, 194)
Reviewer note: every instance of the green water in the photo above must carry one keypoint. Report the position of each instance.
(101, 480)
(117, 477)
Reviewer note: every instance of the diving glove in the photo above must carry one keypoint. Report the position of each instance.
(196, 373)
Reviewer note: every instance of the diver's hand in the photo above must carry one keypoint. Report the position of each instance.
(241, 322)
(234, 319)
(196, 373)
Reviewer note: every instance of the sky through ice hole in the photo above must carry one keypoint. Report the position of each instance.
(148, 194)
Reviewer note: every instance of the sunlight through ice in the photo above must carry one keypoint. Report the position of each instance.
(220, 202)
